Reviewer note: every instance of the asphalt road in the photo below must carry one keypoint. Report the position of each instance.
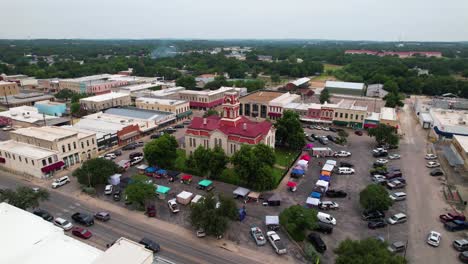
(174, 248)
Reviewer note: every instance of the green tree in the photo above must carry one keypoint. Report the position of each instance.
(219, 81)
(95, 171)
(210, 112)
(275, 78)
(64, 94)
(375, 197)
(391, 86)
(265, 154)
(297, 219)
(324, 96)
(384, 134)
(343, 137)
(218, 162)
(75, 108)
(161, 151)
(289, 130)
(367, 251)
(394, 99)
(201, 160)
(186, 81)
(140, 190)
(24, 197)
(214, 221)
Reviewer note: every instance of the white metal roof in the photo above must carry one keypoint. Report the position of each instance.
(104, 97)
(207, 92)
(426, 117)
(25, 150)
(49, 133)
(463, 140)
(125, 251)
(27, 114)
(28, 239)
(160, 101)
(388, 113)
(284, 99)
(301, 81)
(344, 85)
(185, 195)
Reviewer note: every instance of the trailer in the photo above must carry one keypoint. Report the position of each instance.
(196, 199)
(184, 197)
(272, 222)
(322, 152)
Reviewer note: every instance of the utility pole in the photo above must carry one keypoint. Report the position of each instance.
(43, 117)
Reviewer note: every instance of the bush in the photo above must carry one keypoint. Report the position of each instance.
(230, 176)
(88, 190)
(311, 254)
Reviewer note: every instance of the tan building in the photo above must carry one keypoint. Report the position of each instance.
(8, 88)
(25, 159)
(72, 146)
(460, 145)
(346, 113)
(388, 116)
(206, 99)
(105, 101)
(257, 104)
(179, 107)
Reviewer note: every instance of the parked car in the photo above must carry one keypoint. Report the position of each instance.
(81, 232)
(324, 228)
(310, 139)
(380, 154)
(346, 164)
(150, 244)
(276, 242)
(395, 184)
(398, 196)
(169, 130)
(136, 160)
(83, 219)
(397, 247)
(437, 172)
(317, 242)
(430, 156)
(397, 219)
(335, 193)
(139, 144)
(110, 156)
(130, 146)
(358, 132)
(43, 214)
(463, 256)
(432, 164)
(342, 153)
(394, 156)
(326, 218)
(200, 233)
(117, 195)
(450, 216)
(379, 179)
(456, 225)
(331, 138)
(393, 174)
(382, 161)
(60, 181)
(102, 216)
(332, 129)
(372, 215)
(257, 235)
(179, 126)
(118, 153)
(108, 189)
(173, 206)
(433, 238)
(327, 205)
(314, 136)
(374, 224)
(64, 224)
(323, 141)
(345, 170)
(134, 155)
(460, 244)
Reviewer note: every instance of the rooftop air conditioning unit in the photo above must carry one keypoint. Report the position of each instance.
(14, 114)
(26, 116)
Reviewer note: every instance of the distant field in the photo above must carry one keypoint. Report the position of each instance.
(331, 67)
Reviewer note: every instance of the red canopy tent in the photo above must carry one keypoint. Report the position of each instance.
(291, 184)
(186, 177)
(305, 157)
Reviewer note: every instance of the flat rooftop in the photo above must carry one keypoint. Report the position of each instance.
(99, 126)
(463, 140)
(161, 101)
(47, 133)
(388, 113)
(3, 82)
(284, 99)
(125, 251)
(28, 239)
(25, 150)
(48, 102)
(261, 96)
(345, 85)
(25, 98)
(207, 92)
(137, 87)
(452, 121)
(133, 112)
(89, 78)
(104, 97)
(167, 92)
(29, 114)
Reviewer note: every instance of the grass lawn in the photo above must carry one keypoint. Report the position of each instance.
(327, 66)
(285, 157)
(277, 174)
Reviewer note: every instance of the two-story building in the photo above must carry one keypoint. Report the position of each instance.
(105, 101)
(180, 108)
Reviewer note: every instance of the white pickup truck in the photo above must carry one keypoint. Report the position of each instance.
(173, 206)
(276, 243)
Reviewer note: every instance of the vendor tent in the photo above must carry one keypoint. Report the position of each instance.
(205, 183)
(302, 163)
(172, 173)
(196, 199)
(312, 201)
(331, 162)
(161, 172)
(184, 197)
(323, 184)
(327, 167)
(305, 157)
(142, 167)
(241, 192)
(297, 173)
(325, 178)
(272, 222)
(291, 184)
(274, 200)
(253, 196)
(325, 173)
(309, 146)
(150, 170)
(316, 195)
(162, 191)
(115, 179)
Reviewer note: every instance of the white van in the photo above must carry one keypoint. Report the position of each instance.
(397, 219)
(398, 196)
(60, 181)
(326, 218)
(345, 170)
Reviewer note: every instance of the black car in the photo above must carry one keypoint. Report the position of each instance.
(324, 228)
(310, 139)
(372, 215)
(179, 126)
(102, 216)
(437, 172)
(169, 130)
(376, 224)
(154, 136)
(118, 153)
(134, 155)
(332, 129)
(43, 214)
(150, 244)
(346, 164)
(187, 122)
(117, 195)
(378, 171)
(129, 147)
(393, 174)
(317, 242)
(336, 194)
(314, 136)
(323, 141)
(83, 219)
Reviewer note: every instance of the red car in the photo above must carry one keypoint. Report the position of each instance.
(358, 132)
(81, 232)
(450, 216)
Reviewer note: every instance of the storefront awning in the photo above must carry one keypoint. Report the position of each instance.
(184, 114)
(52, 167)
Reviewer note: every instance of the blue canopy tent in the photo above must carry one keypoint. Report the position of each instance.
(242, 214)
(297, 173)
(316, 195)
(324, 178)
(150, 170)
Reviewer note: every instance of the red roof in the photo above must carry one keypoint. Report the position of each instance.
(253, 129)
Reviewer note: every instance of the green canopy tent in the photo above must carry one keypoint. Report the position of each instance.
(162, 191)
(205, 185)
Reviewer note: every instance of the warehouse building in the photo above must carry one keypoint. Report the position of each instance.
(346, 88)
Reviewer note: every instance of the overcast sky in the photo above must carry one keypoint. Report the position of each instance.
(391, 20)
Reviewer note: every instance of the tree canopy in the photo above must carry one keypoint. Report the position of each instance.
(367, 251)
(297, 219)
(24, 197)
(375, 197)
(394, 99)
(140, 190)
(161, 151)
(384, 134)
(186, 81)
(95, 171)
(211, 112)
(324, 96)
(289, 130)
(253, 164)
(214, 221)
